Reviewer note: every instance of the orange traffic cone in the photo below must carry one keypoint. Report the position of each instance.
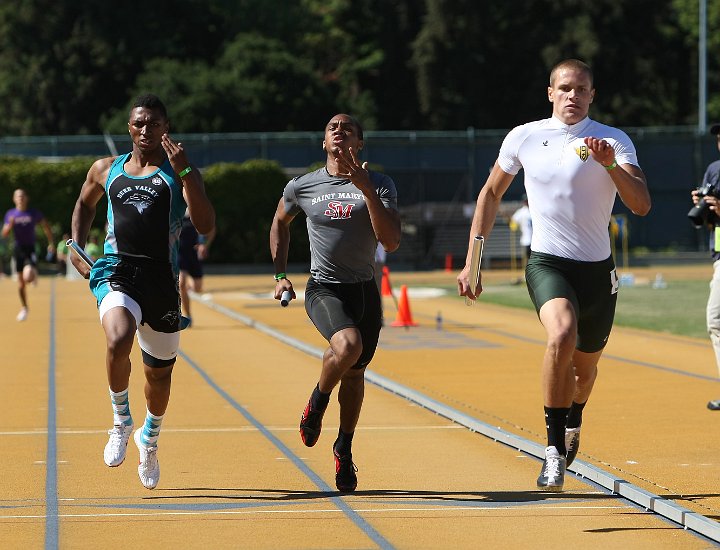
(386, 288)
(404, 317)
(448, 263)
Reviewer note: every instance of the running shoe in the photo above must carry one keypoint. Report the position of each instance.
(117, 444)
(311, 425)
(22, 315)
(714, 405)
(148, 465)
(552, 475)
(345, 478)
(572, 443)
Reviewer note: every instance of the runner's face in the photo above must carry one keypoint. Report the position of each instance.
(341, 133)
(146, 127)
(571, 95)
(20, 199)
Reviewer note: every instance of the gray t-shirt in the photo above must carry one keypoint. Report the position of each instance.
(342, 239)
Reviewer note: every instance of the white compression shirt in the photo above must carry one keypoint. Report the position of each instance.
(570, 195)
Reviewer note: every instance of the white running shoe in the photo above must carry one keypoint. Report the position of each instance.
(552, 474)
(117, 444)
(572, 443)
(148, 466)
(22, 315)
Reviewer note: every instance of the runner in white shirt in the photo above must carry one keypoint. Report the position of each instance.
(574, 167)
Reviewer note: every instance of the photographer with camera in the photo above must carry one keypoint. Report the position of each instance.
(704, 214)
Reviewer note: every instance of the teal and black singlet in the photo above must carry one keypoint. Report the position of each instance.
(144, 221)
(144, 213)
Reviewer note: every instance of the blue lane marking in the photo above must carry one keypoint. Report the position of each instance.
(356, 518)
(51, 491)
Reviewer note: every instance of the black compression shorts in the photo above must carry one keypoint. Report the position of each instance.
(591, 287)
(335, 306)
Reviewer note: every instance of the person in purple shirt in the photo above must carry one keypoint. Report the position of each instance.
(22, 220)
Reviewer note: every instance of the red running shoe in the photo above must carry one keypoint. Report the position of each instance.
(345, 478)
(311, 425)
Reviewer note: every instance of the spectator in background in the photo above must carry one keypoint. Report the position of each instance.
(711, 191)
(194, 249)
(21, 221)
(61, 251)
(521, 220)
(93, 248)
(380, 259)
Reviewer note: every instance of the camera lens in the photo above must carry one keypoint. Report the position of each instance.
(698, 214)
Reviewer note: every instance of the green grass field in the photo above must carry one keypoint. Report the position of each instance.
(677, 309)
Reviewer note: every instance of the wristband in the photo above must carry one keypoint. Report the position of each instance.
(279, 276)
(185, 172)
(613, 165)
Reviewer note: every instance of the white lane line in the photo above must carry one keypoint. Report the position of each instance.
(383, 510)
(237, 429)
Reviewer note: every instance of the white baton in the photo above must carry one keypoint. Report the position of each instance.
(75, 247)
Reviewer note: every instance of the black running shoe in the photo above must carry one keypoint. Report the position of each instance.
(345, 478)
(311, 425)
(714, 405)
(572, 443)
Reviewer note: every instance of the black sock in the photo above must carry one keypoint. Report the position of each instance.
(555, 421)
(574, 418)
(343, 443)
(319, 400)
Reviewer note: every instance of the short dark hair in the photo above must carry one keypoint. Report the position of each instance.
(150, 101)
(355, 122)
(575, 64)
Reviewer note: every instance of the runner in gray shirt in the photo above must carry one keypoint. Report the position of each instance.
(349, 209)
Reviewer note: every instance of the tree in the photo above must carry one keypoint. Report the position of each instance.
(255, 85)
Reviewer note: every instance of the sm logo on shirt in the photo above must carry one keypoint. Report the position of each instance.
(336, 211)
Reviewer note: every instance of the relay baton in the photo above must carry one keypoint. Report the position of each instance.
(285, 298)
(475, 261)
(75, 247)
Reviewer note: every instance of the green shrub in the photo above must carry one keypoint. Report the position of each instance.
(245, 197)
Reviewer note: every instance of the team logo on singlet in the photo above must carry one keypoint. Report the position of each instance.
(337, 211)
(157, 180)
(141, 202)
(583, 152)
